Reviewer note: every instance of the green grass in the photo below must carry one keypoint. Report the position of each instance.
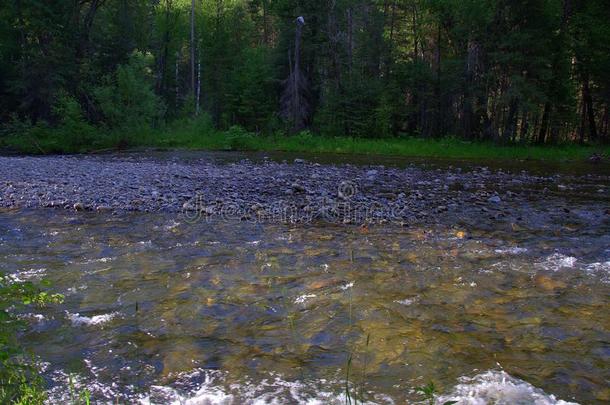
(201, 136)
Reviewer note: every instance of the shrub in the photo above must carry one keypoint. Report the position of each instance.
(237, 138)
(73, 132)
(126, 99)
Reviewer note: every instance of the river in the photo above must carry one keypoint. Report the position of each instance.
(162, 309)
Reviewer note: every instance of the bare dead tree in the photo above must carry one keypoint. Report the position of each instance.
(294, 105)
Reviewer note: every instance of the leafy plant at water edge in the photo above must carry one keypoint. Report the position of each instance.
(20, 382)
(78, 397)
(348, 368)
(429, 392)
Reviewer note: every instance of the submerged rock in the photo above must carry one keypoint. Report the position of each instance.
(547, 283)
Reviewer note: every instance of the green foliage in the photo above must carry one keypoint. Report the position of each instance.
(14, 125)
(19, 379)
(357, 109)
(304, 138)
(199, 133)
(127, 99)
(78, 397)
(429, 392)
(383, 117)
(71, 133)
(73, 130)
(508, 72)
(251, 100)
(237, 138)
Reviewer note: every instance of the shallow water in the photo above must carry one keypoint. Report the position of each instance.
(160, 310)
(507, 165)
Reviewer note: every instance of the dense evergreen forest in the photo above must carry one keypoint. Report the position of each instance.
(530, 71)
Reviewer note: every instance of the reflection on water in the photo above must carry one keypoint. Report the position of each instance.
(507, 165)
(160, 310)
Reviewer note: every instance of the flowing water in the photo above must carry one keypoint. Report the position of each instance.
(160, 310)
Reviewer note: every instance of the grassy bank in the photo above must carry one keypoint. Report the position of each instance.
(201, 136)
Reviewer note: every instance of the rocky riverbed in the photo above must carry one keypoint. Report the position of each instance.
(300, 191)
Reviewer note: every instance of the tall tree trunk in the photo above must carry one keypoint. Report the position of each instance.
(583, 118)
(588, 100)
(555, 75)
(333, 40)
(437, 124)
(193, 47)
(296, 99)
(467, 109)
(544, 123)
(525, 125)
(85, 28)
(511, 121)
(177, 81)
(604, 126)
(535, 126)
(415, 122)
(294, 102)
(350, 38)
(198, 96)
(161, 79)
(389, 59)
(265, 23)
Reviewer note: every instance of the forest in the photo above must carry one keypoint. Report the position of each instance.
(519, 71)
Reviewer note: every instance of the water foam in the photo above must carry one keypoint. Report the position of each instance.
(557, 261)
(601, 269)
(272, 391)
(499, 388)
(515, 250)
(213, 387)
(491, 387)
(78, 319)
(29, 275)
(301, 299)
(406, 301)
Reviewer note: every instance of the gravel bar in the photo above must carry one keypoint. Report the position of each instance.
(300, 191)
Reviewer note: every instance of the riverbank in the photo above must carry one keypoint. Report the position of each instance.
(202, 186)
(201, 136)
